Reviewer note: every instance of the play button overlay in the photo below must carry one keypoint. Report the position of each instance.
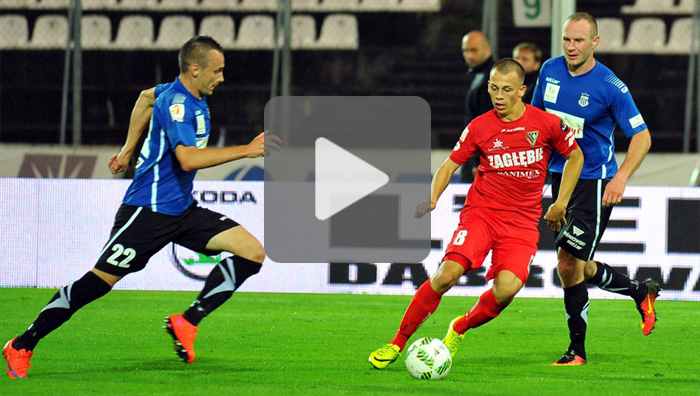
(342, 178)
(346, 184)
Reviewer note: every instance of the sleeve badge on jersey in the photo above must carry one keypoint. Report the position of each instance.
(564, 127)
(465, 132)
(177, 112)
(636, 121)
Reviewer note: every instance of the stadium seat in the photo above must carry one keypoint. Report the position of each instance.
(648, 7)
(256, 32)
(379, 5)
(95, 32)
(169, 5)
(50, 32)
(99, 4)
(339, 31)
(680, 38)
(303, 31)
(420, 5)
(14, 4)
(135, 32)
(51, 4)
(138, 4)
(14, 31)
(340, 5)
(685, 7)
(305, 5)
(612, 35)
(258, 5)
(646, 35)
(221, 28)
(219, 5)
(174, 31)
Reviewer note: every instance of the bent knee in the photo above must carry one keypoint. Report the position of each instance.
(249, 248)
(590, 269)
(445, 280)
(566, 269)
(505, 289)
(566, 261)
(507, 294)
(256, 253)
(570, 269)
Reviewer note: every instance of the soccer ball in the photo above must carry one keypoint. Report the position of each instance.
(428, 358)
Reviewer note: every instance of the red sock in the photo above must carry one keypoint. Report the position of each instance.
(424, 303)
(485, 309)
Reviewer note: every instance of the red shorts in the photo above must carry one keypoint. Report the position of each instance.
(480, 230)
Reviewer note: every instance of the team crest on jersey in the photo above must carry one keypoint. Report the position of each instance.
(583, 100)
(532, 137)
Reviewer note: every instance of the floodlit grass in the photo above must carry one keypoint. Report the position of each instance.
(318, 345)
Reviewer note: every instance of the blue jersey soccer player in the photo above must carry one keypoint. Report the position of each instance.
(592, 100)
(158, 207)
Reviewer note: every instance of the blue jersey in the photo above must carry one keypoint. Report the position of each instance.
(160, 184)
(591, 104)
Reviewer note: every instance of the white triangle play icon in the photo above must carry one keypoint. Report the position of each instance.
(341, 179)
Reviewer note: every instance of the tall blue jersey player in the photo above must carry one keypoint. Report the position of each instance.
(158, 207)
(592, 101)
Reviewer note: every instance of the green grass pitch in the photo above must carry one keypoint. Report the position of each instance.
(267, 344)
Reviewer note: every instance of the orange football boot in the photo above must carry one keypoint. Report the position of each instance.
(183, 333)
(17, 360)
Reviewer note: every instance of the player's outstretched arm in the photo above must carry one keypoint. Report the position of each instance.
(140, 116)
(637, 151)
(191, 158)
(440, 181)
(556, 214)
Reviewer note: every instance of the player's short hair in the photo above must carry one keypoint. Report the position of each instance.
(195, 50)
(584, 16)
(510, 65)
(532, 47)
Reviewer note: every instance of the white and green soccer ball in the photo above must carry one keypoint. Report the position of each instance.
(428, 358)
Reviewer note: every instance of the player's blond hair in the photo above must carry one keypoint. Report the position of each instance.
(584, 16)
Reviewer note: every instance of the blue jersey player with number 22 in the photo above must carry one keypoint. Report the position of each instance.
(158, 207)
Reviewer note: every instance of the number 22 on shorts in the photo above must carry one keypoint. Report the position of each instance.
(459, 238)
(119, 251)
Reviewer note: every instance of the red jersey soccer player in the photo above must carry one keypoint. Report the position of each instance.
(502, 208)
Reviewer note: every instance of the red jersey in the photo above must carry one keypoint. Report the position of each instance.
(513, 159)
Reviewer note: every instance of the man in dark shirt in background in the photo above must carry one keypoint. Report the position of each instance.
(476, 50)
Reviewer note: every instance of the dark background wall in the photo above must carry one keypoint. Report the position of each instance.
(400, 54)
